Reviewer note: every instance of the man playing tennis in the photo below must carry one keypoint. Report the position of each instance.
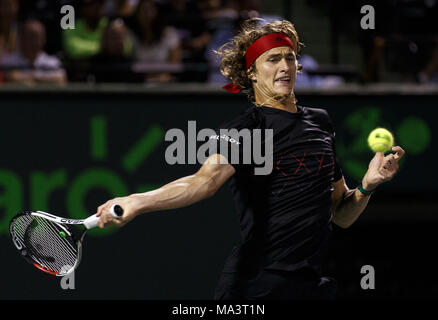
(285, 216)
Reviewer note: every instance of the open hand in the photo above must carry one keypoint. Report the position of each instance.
(381, 168)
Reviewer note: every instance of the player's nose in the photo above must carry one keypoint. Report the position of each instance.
(284, 65)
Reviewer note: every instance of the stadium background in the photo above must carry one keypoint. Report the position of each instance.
(66, 148)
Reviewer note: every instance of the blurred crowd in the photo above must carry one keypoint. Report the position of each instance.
(117, 40)
(138, 41)
(402, 47)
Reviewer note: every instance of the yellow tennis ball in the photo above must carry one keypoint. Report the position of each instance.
(380, 140)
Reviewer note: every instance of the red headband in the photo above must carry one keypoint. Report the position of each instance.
(257, 48)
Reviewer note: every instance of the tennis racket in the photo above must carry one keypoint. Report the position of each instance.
(50, 243)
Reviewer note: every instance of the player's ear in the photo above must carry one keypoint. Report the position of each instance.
(251, 75)
(299, 67)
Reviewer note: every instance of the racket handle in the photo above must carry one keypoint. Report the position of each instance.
(116, 211)
(91, 221)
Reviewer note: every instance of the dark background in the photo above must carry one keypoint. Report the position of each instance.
(179, 254)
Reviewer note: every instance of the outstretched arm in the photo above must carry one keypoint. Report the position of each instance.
(179, 193)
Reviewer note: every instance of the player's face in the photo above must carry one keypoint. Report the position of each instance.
(276, 71)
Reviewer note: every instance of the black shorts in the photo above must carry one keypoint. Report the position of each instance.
(303, 284)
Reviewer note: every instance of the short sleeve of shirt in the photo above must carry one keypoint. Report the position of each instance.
(233, 139)
(337, 175)
(326, 122)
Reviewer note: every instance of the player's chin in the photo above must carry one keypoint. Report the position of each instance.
(281, 95)
(283, 89)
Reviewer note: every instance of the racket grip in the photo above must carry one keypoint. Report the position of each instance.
(91, 221)
(116, 211)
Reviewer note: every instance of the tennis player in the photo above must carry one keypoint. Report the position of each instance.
(286, 216)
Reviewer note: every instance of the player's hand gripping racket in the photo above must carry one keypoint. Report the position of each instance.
(50, 243)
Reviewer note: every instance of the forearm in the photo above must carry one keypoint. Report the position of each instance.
(350, 208)
(179, 193)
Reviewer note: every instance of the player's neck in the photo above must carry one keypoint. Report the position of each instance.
(288, 104)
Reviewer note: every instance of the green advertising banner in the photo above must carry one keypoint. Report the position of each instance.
(63, 150)
(67, 152)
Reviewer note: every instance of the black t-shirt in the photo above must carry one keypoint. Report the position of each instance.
(285, 216)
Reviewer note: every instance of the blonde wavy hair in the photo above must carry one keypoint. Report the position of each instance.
(233, 65)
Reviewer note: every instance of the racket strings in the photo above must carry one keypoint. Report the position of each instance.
(44, 244)
(19, 227)
(50, 247)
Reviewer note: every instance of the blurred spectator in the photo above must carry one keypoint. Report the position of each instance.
(404, 29)
(120, 8)
(252, 9)
(189, 19)
(8, 28)
(154, 42)
(224, 23)
(48, 12)
(30, 64)
(114, 62)
(430, 72)
(306, 79)
(84, 40)
(8, 25)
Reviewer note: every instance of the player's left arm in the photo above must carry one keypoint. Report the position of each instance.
(348, 204)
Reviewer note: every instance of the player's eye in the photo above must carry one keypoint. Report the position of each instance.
(276, 59)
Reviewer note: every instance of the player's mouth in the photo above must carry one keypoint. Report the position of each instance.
(286, 80)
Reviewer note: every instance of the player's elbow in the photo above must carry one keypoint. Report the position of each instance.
(341, 223)
(213, 174)
(212, 188)
(208, 185)
(210, 193)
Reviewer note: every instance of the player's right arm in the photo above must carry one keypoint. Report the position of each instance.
(177, 194)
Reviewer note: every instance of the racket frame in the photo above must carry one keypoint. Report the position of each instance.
(76, 235)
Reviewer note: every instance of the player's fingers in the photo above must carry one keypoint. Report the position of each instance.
(108, 216)
(103, 223)
(389, 169)
(379, 155)
(119, 221)
(103, 215)
(100, 209)
(399, 152)
(107, 222)
(389, 160)
(390, 157)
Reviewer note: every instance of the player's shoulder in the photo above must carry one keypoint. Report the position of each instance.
(319, 115)
(316, 112)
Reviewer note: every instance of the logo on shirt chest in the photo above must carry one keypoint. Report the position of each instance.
(292, 164)
(302, 171)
